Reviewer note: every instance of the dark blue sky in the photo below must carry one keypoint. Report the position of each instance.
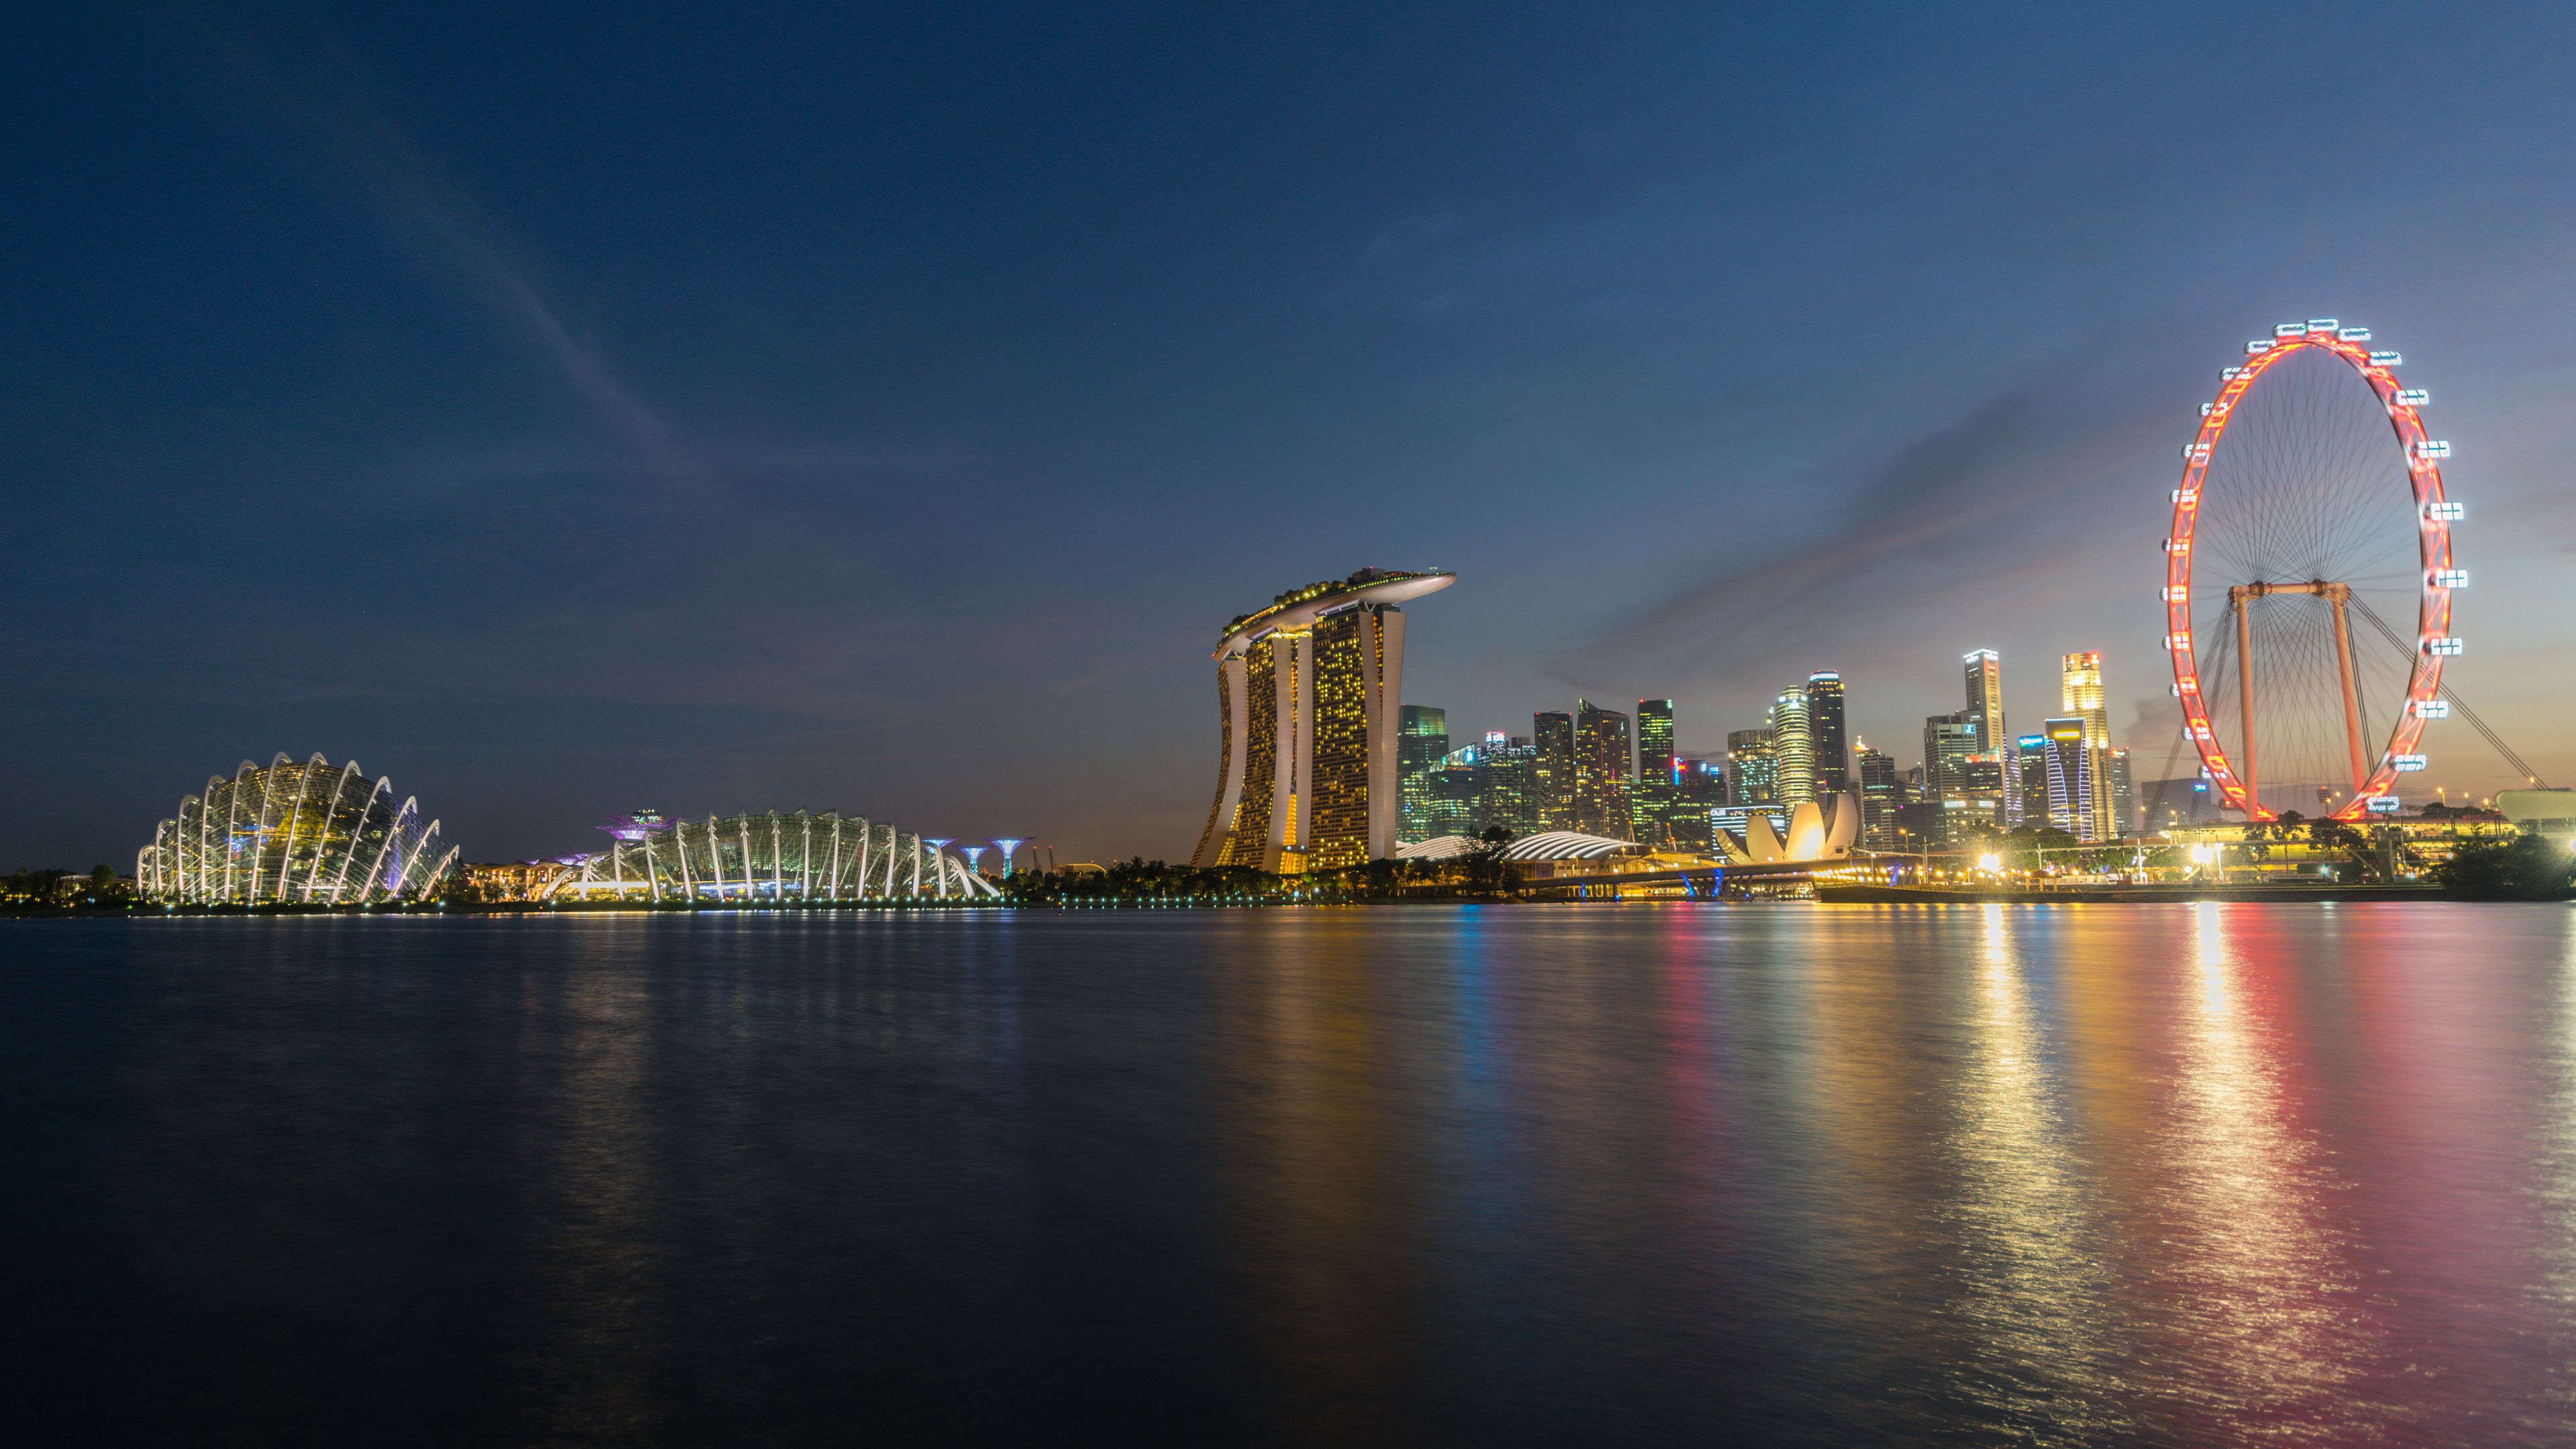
(576, 410)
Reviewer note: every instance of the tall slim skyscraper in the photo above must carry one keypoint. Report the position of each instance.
(2070, 779)
(1882, 794)
(1655, 742)
(1508, 770)
(2123, 793)
(1552, 769)
(1985, 669)
(1654, 797)
(1827, 734)
(1421, 739)
(2029, 798)
(1793, 747)
(1604, 769)
(1752, 768)
(1308, 691)
(2080, 690)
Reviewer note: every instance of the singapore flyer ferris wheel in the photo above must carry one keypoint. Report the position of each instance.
(2309, 530)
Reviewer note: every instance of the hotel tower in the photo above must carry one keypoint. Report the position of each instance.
(1307, 708)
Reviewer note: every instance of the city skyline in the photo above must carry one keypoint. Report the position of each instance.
(865, 410)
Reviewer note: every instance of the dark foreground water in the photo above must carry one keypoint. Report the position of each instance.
(1598, 1175)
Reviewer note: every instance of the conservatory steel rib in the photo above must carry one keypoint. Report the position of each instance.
(774, 859)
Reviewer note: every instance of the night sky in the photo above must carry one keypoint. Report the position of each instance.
(568, 411)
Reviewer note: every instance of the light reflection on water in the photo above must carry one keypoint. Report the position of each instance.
(1667, 1174)
(2033, 1284)
(2255, 1276)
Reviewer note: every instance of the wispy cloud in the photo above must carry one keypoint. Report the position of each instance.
(1972, 495)
(325, 97)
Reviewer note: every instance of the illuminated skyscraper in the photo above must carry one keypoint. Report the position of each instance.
(1793, 747)
(1506, 779)
(1421, 738)
(2029, 797)
(1985, 671)
(1654, 797)
(2122, 792)
(1752, 768)
(1307, 702)
(2070, 778)
(1698, 786)
(1655, 742)
(1455, 806)
(1552, 769)
(1978, 802)
(1949, 742)
(1827, 733)
(2080, 690)
(1604, 770)
(1882, 794)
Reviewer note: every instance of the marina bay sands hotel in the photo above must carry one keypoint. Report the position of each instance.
(1307, 696)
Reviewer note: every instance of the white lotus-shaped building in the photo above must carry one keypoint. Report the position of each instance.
(773, 858)
(1816, 832)
(293, 834)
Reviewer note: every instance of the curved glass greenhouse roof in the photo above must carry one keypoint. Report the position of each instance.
(771, 858)
(292, 834)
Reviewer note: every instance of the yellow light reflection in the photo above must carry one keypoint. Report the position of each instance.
(2034, 1284)
(2256, 1271)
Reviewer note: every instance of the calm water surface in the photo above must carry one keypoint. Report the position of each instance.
(1541, 1175)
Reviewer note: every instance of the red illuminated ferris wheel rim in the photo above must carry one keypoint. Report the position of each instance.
(2433, 537)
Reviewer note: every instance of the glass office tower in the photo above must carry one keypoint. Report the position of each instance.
(1552, 768)
(1604, 770)
(2080, 697)
(1655, 742)
(2070, 778)
(1421, 739)
(1882, 794)
(1985, 670)
(1826, 733)
(1752, 768)
(1793, 748)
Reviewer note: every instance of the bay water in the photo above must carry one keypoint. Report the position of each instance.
(1602, 1174)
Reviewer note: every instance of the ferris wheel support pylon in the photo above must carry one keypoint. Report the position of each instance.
(2236, 780)
(2338, 597)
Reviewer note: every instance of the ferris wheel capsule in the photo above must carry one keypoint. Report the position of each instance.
(2387, 359)
(2352, 334)
(2414, 397)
